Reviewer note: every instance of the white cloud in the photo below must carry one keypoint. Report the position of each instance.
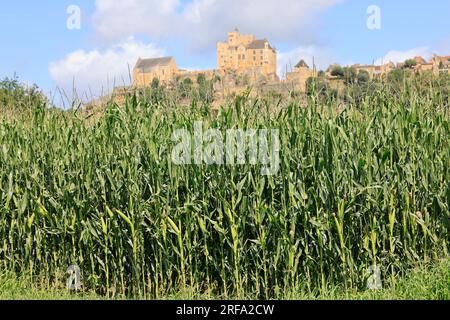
(320, 56)
(402, 56)
(203, 22)
(98, 71)
(115, 19)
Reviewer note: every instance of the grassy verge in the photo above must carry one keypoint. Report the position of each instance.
(428, 282)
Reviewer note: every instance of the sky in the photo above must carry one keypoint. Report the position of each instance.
(86, 47)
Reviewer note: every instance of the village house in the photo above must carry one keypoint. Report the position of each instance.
(441, 64)
(374, 70)
(436, 65)
(164, 69)
(246, 54)
(422, 65)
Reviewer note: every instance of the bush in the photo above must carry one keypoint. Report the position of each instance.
(363, 76)
(155, 83)
(410, 63)
(337, 71)
(14, 94)
(350, 75)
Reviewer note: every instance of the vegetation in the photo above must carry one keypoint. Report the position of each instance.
(363, 76)
(319, 87)
(16, 96)
(362, 183)
(410, 64)
(350, 75)
(426, 282)
(338, 71)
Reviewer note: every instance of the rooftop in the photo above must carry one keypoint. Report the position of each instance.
(259, 44)
(147, 64)
(301, 64)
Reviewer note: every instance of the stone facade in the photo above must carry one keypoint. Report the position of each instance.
(164, 69)
(441, 64)
(244, 53)
(375, 71)
(299, 76)
(193, 75)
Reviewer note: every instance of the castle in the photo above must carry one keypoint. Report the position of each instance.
(244, 60)
(241, 56)
(244, 53)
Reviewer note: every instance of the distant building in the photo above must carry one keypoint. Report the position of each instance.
(441, 64)
(244, 60)
(164, 69)
(246, 54)
(374, 70)
(299, 76)
(419, 60)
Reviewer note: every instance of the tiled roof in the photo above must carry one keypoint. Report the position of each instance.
(148, 64)
(258, 44)
(301, 64)
(420, 60)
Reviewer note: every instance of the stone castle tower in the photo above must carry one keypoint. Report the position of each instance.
(243, 53)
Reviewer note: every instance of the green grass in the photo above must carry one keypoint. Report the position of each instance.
(430, 282)
(358, 186)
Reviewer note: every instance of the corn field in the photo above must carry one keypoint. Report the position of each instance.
(359, 186)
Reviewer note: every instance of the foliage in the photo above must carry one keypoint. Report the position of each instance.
(155, 83)
(410, 63)
(15, 95)
(350, 75)
(426, 282)
(363, 76)
(338, 71)
(360, 185)
(396, 75)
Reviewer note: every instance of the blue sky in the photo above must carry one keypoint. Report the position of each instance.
(38, 47)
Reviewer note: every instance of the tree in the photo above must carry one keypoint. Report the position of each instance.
(187, 82)
(17, 95)
(316, 86)
(337, 71)
(321, 74)
(363, 76)
(201, 79)
(350, 75)
(410, 63)
(155, 83)
(396, 75)
(186, 88)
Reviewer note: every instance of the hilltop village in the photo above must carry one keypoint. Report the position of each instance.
(244, 61)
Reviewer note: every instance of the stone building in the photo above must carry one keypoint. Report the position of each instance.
(246, 54)
(164, 69)
(441, 64)
(299, 76)
(374, 70)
